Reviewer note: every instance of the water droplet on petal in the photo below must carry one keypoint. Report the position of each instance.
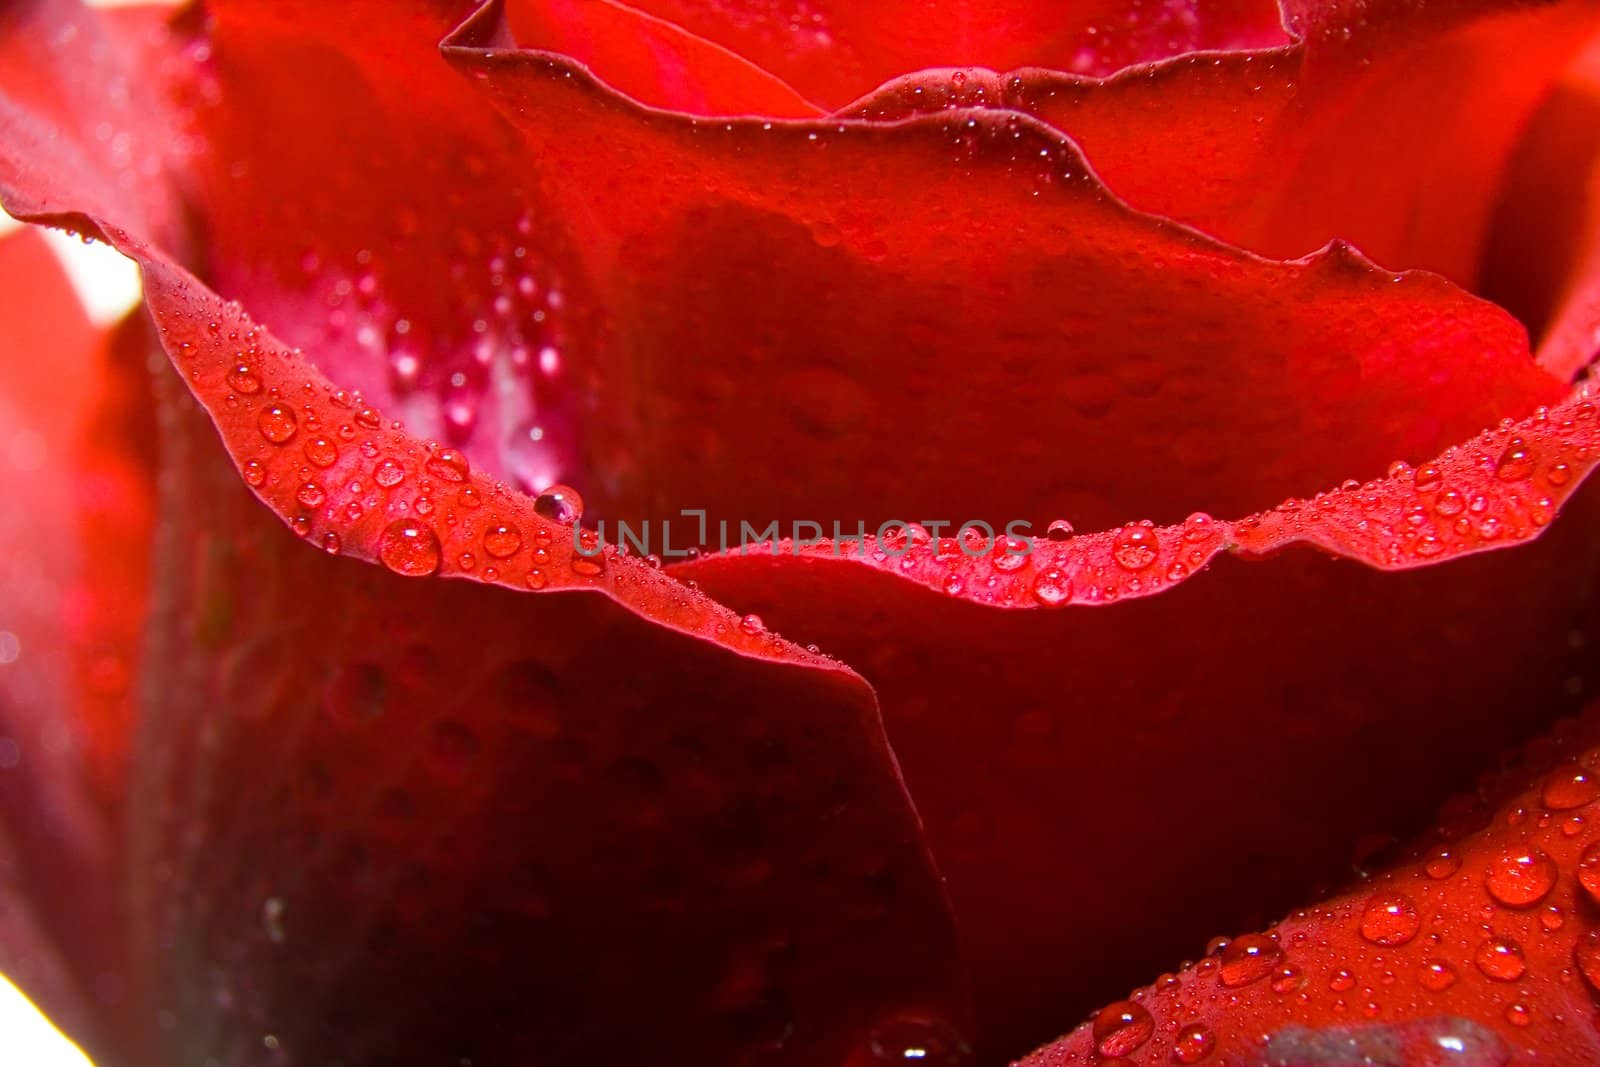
(501, 540)
(277, 423)
(1122, 1027)
(1501, 959)
(1521, 877)
(1389, 919)
(1516, 462)
(1059, 530)
(448, 465)
(1589, 872)
(1427, 478)
(1436, 975)
(389, 474)
(254, 474)
(321, 452)
(560, 504)
(409, 547)
(1586, 954)
(1193, 1043)
(752, 625)
(1569, 786)
(1198, 527)
(331, 543)
(242, 378)
(1136, 547)
(1248, 959)
(1441, 864)
(1052, 586)
(310, 495)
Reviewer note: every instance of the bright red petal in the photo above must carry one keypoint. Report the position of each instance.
(956, 321)
(1390, 128)
(1482, 948)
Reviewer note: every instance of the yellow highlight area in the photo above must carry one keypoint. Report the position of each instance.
(26, 1036)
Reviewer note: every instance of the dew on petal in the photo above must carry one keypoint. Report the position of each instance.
(1389, 919)
(1194, 1043)
(1248, 959)
(502, 540)
(1516, 461)
(409, 547)
(1059, 530)
(448, 465)
(321, 452)
(1052, 586)
(1501, 959)
(560, 504)
(1135, 547)
(1122, 1027)
(277, 423)
(1519, 878)
(1569, 786)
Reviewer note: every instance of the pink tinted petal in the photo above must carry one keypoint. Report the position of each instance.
(834, 51)
(81, 133)
(73, 545)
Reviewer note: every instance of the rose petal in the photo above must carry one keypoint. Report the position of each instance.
(409, 821)
(73, 548)
(1096, 763)
(81, 136)
(1480, 948)
(1280, 150)
(833, 51)
(654, 61)
(957, 321)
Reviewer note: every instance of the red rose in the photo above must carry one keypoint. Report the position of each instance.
(286, 796)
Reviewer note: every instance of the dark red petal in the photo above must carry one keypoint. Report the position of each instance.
(1108, 763)
(956, 321)
(833, 51)
(1390, 128)
(73, 547)
(410, 821)
(1482, 948)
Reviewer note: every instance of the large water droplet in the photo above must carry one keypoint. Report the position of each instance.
(1520, 877)
(1248, 959)
(1516, 462)
(389, 474)
(1193, 1043)
(409, 547)
(1569, 786)
(560, 504)
(448, 465)
(1589, 872)
(277, 423)
(1389, 919)
(321, 452)
(242, 378)
(501, 540)
(1059, 530)
(1135, 547)
(1121, 1027)
(1501, 959)
(1052, 586)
